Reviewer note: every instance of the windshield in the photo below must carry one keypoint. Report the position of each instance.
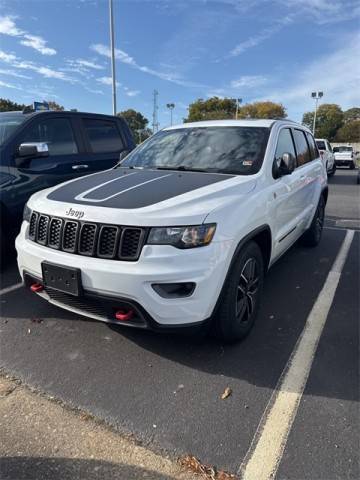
(342, 149)
(8, 123)
(320, 144)
(238, 150)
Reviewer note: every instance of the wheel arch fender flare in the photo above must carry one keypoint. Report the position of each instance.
(263, 237)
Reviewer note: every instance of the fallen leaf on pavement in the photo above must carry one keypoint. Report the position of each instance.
(227, 393)
(211, 473)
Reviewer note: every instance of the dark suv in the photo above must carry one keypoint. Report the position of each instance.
(41, 149)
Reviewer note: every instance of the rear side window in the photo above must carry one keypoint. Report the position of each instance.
(103, 135)
(303, 152)
(312, 145)
(56, 132)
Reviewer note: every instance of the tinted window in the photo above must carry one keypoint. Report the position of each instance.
(343, 149)
(8, 124)
(312, 145)
(56, 132)
(303, 153)
(238, 150)
(285, 143)
(103, 135)
(321, 144)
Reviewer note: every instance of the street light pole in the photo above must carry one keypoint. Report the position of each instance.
(238, 102)
(171, 107)
(316, 96)
(112, 48)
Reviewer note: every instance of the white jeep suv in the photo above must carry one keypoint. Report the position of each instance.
(181, 232)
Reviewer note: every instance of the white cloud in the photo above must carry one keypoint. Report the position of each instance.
(106, 81)
(11, 73)
(131, 93)
(8, 85)
(248, 81)
(341, 83)
(125, 58)
(8, 27)
(37, 43)
(255, 40)
(84, 65)
(45, 71)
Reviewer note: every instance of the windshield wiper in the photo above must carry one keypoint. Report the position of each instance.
(183, 168)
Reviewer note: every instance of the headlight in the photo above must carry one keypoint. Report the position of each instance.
(27, 214)
(182, 237)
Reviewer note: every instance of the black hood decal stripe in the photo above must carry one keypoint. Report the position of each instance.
(124, 188)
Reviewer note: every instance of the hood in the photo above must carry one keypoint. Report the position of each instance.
(142, 197)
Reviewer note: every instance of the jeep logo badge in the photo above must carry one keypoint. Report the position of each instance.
(74, 213)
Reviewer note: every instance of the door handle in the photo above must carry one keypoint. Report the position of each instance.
(79, 167)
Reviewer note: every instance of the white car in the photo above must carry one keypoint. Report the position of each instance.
(181, 232)
(344, 155)
(327, 155)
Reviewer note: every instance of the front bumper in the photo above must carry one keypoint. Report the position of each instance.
(113, 283)
(346, 163)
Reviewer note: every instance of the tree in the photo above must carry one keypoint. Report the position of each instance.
(214, 108)
(9, 106)
(350, 132)
(137, 124)
(55, 106)
(262, 110)
(352, 114)
(329, 119)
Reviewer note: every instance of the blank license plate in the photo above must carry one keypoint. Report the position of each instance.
(64, 279)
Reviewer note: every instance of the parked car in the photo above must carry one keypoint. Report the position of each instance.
(327, 155)
(344, 156)
(39, 149)
(181, 232)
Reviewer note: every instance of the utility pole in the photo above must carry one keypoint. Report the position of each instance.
(112, 48)
(316, 96)
(238, 102)
(171, 107)
(155, 112)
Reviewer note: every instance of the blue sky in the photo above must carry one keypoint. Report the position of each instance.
(278, 50)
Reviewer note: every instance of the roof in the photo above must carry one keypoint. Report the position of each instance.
(43, 112)
(230, 123)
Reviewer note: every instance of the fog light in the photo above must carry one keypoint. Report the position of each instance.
(174, 290)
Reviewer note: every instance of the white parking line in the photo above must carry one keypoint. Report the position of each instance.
(11, 288)
(263, 457)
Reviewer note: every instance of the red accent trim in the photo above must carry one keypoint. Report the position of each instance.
(37, 287)
(124, 316)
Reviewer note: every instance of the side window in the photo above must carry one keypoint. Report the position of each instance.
(103, 135)
(302, 148)
(329, 146)
(312, 145)
(56, 132)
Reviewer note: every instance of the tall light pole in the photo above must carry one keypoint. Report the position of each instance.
(112, 48)
(316, 96)
(171, 107)
(238, 102)
(155, 112)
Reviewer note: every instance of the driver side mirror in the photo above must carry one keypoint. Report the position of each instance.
(285, 165)
(26, 151)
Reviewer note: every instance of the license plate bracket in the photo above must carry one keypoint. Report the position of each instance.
(64, 279)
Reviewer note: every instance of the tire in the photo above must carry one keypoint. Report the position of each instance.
(332, 171)
(312, 237)
(238, 308)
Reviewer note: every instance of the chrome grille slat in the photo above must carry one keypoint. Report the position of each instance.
(85, 238)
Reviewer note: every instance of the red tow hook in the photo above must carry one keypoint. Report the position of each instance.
(37, 287)
(124, 316)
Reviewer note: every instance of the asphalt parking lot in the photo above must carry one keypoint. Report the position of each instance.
(166, 390)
